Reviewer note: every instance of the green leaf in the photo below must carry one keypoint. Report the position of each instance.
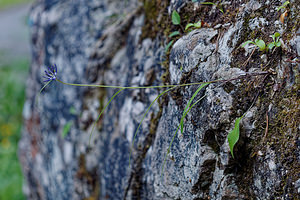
(273, 37)
(188, 26)
(175, 18)
(169, 45)
(286, 3)
(278, 44)
(198, 24)
(188, 105)
(102, 113)
(66, 129)
(72, 111)
(277, 35)
(208, 3)
(271, 45)
(221, 9)
(174, 34)
(233, 136)
(247, 42)
(283, 5)
(261, 44)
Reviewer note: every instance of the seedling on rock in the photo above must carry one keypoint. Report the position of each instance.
(262, 45)
(276, 42)
(176, 21)
(259, 43)
(283, 6)
(194, 25)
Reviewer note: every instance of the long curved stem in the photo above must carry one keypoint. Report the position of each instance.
(38, 96)
(136, 87)
(102, 113)
(163, 86)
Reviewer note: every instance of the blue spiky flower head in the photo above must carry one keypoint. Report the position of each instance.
(50, 74)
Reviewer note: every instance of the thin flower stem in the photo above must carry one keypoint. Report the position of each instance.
(102, 113)
(163, 86)
(44, 86)
(136, 87)
(38, 95)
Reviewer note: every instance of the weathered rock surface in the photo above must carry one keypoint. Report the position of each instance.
(123, 43)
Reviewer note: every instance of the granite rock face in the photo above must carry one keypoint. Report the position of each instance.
(119, 43)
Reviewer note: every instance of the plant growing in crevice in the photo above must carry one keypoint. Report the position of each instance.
(175, 18)
(51, 75)
(283, 6)
(218, 5)
(276, 42)
(193, 25)
(234, 135)
(176, 21)
(262, 45)
(258, 43)
(66, 129)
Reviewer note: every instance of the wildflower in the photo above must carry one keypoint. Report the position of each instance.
(50, 74)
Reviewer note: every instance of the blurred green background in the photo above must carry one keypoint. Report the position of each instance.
(9, 3)
(12, 99)
(14, 66)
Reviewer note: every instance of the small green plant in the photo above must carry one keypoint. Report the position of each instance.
(168, 45)
(194, 25)
(262, 45)
(175, 18)
(259, 43)
(234, 134)
(283, 6)
(276, 42)
(176, 21)
(219, 6)
(66, 129)
(175, 33)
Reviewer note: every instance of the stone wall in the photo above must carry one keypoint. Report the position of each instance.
(123, 43)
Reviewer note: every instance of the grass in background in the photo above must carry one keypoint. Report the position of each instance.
(12, 96)
(7, 3)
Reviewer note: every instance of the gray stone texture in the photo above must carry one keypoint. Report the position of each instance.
(109, 42)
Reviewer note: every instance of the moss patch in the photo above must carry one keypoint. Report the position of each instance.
(283, 135)
(156, 18)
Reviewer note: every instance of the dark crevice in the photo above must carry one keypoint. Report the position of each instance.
(205, 178)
